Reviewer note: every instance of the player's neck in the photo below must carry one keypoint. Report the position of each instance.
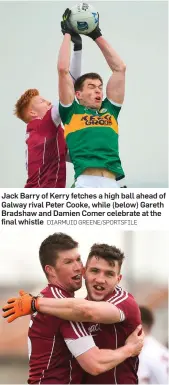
(56, 282)
(92, 108)
(88, 107)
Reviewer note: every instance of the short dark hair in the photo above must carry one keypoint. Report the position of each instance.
(80, 81)
(52, 245)
(147, 316)
(107, 252)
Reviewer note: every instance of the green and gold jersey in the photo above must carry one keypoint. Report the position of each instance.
(92, 137)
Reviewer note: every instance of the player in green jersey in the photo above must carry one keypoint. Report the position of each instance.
(91, 128)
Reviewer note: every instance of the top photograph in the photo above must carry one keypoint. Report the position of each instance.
(84, 94)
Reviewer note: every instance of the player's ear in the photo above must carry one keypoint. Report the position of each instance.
(119, 278)
(83, 272)
(78, 94)
(32, 113)
(50, 270)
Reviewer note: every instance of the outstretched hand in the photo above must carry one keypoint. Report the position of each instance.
(65, 23)
(67, 28)
(96, 33)
(19, 306)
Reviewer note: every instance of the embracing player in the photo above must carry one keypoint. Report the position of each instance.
(110, 314)
(91, 128)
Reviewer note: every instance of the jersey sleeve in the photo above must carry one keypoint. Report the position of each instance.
(113, 108)
(47, 126)
(66, 112)
(76, 337)
(131, 311)
(55, 114)
(75, 65)
(127, 304)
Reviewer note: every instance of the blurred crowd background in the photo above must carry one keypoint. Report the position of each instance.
(144, 275)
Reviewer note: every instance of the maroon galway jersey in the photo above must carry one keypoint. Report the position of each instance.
(113, 336)
(50, 360)
(46, 153)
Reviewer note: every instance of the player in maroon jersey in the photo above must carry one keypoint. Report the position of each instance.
(46, 148)
(119, 313)
(116, 318)
(49, 337)
(102, 271)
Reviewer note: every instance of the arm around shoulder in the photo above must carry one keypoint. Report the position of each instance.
(98, 312)
(81, 310)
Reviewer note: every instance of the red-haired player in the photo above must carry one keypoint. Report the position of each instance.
(46, 148)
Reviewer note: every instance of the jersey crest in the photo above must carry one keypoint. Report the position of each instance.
(103, 110)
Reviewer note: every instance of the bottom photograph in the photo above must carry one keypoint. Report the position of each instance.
(83, 306)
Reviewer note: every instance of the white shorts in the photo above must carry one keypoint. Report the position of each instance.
(92, 181)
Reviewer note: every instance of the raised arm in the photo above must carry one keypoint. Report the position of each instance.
(116, 85)
(74, 70)
(76, 61)
(66, 85)
(75, 65)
